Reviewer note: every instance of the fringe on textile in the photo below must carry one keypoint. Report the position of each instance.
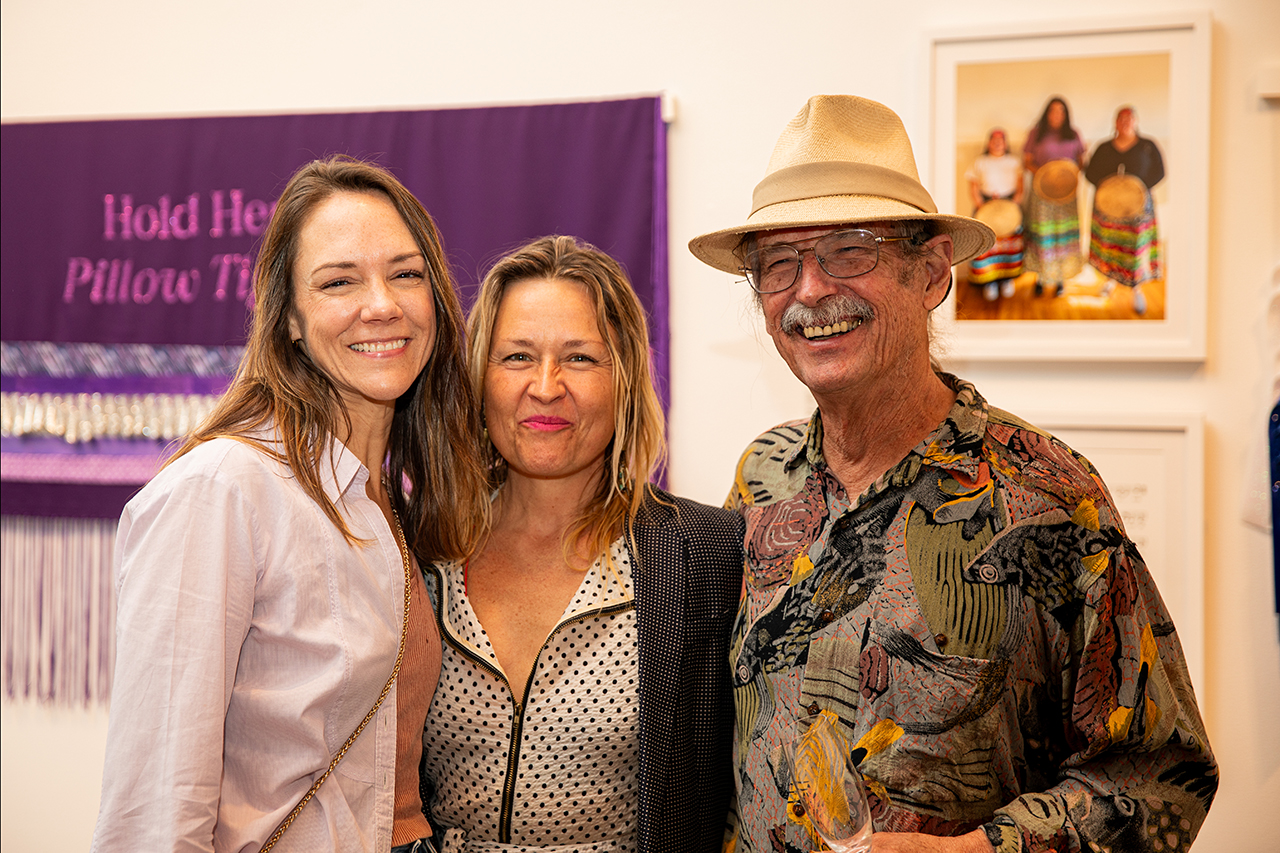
(57, 644)
(79, 418)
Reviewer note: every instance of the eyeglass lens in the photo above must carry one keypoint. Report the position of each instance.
(844, 254)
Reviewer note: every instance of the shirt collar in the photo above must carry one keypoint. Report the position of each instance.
(955, 444)
(338, 468)
(340, 471)
(809, 450)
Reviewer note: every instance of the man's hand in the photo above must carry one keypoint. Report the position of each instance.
(914, 842)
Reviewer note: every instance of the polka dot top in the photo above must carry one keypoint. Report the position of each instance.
(560, 774)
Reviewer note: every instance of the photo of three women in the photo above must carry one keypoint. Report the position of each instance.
(1032, 204)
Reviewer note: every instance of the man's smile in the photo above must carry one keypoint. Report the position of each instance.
(829, 331)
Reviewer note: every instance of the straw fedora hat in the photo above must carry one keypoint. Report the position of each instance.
(843, 160)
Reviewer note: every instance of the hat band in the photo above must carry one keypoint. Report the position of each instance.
(840, 177)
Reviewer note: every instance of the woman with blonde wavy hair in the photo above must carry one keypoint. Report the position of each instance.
(585, 701)
(275, 650)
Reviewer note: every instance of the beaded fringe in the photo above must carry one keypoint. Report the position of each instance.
(57, 643)
(84, 417)
(58, 636)
(57, 616)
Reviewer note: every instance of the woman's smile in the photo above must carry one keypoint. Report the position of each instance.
(548, 423)
(548, 388)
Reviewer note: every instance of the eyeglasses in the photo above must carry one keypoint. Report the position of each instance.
(842, 254)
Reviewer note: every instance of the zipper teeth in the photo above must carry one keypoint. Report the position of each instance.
(517, 719)
(517, 722)
(447, 634)
(509, 783)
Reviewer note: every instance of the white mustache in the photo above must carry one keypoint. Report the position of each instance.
(829, 311)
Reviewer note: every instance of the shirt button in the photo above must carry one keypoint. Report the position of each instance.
(940, 639)
(744, 674)
(827, 616)
(798, 808)
(813, 708)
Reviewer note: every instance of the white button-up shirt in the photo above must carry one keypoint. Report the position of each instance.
(252, 638)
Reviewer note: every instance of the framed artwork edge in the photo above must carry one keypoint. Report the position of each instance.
(1185, 539)
(1181, 335)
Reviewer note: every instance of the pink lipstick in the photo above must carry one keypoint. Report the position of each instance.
(546, 423)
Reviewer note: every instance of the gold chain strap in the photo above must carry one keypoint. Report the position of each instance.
(404, 629)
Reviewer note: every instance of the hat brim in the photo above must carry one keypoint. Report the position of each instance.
(969, 236)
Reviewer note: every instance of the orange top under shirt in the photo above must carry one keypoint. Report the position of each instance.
(416, 684)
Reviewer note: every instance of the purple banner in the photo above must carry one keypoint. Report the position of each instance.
(143, 232)
(61, 500)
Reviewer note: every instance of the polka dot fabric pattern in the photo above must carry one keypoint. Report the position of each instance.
(639, 736)
(559, 773)
(687, 589)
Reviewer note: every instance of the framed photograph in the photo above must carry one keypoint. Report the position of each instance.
(1154, 467)
(1085, 146)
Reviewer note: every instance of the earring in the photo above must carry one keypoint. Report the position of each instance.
(496, 462)
(624, 480)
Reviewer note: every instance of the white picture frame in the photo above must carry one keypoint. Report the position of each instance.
(1049, 59)
(1153, 465)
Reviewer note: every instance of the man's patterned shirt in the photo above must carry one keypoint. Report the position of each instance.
(983, 626)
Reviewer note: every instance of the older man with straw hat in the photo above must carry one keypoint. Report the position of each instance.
(951, 583)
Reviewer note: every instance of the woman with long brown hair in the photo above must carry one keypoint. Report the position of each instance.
(1054, 154)
(275, 653)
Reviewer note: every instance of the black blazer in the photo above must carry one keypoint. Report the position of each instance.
(688, 576)
(687, 570)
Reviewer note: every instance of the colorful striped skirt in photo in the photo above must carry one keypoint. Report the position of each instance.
(1126, 248)
(1002, 261)
(1053, 239)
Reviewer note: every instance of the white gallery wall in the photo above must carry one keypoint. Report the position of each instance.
(738, 71)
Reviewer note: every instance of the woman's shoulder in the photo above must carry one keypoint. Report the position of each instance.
(681, 538)
(214, 468)
(226, 455)
(444, 579)
(667, 510)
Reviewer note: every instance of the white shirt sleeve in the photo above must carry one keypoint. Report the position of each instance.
(252, 638)
(185, 602)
